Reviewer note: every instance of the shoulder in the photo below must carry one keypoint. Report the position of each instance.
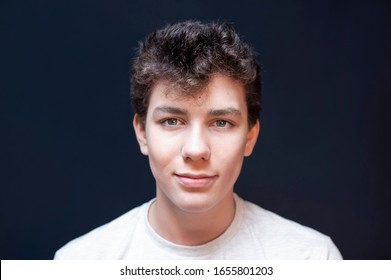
(105, 242)
(285, 239)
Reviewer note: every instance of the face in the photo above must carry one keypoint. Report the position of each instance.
(196, 145)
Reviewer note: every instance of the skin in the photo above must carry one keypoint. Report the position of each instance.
(196, 148)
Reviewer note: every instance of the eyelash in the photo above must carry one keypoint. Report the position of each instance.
(226, 123)
(165, 122)
(177, 121)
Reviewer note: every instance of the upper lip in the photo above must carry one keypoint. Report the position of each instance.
(195, 176)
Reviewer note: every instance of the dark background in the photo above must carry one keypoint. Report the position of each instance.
(69, 157)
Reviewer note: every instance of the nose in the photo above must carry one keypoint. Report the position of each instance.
(196, 146)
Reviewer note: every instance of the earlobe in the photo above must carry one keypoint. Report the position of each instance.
(139, 129)
(252, 137)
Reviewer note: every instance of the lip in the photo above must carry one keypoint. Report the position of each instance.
(195, 180)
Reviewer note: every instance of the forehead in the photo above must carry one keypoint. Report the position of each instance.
(221, 91)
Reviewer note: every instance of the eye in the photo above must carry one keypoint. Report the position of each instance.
(170, 122)
(222, 123)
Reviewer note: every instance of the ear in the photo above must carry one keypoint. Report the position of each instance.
(252, 136)
(139, 129)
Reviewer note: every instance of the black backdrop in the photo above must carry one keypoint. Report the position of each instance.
(69, 158)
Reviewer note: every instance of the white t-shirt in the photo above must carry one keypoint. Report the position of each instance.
(255, 233)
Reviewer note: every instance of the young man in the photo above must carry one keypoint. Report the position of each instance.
(196, 95)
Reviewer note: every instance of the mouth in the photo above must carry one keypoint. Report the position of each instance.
(195, 180)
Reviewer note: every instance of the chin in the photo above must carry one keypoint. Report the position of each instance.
(196, 203)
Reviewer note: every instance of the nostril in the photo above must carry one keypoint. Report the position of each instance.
(200, 151)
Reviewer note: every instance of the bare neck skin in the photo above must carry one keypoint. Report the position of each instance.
(190, 229)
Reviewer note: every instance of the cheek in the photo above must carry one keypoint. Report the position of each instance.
(160, 165)
(230, 153)
(161, 151)
(230, 145)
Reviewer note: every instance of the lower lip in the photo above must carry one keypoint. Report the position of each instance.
(195, 182)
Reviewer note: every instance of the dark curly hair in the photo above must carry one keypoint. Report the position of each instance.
(186, 55)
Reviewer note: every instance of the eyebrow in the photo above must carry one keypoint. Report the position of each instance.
(184, 112)
(225, 111)
(170, 110)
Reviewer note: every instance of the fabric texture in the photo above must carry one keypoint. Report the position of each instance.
(255, 233)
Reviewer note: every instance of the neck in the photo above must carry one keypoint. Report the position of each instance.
(190, 228)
